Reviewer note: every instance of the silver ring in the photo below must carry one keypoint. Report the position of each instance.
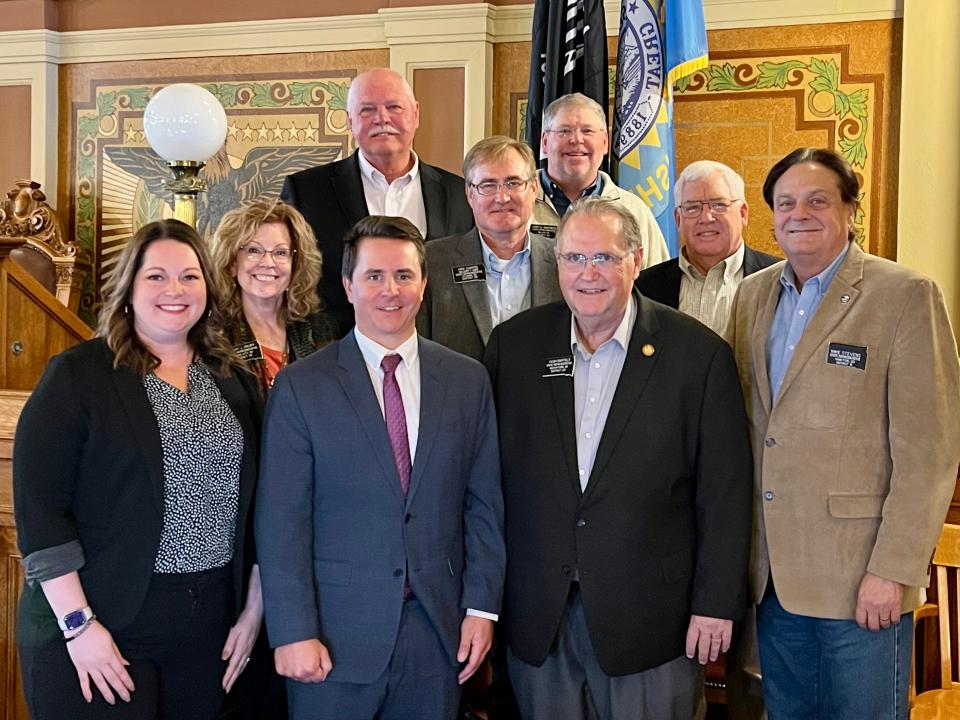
(246, 660)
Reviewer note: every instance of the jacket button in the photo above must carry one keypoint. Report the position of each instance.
(768, 495)
(566, 569)
(581, 523)
(770, 442)
(407, 518)
(398, 572)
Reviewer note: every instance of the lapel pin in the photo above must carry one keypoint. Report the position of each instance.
(647, 349)
(844, 298)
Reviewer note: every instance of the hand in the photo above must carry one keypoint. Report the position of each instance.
(305, 661)
(878, 602)
(96, 657)
(708, 637)
(476, 637)
(239, 644)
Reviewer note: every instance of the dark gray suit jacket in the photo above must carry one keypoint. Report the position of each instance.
(662, 281)
(458, 314)
(331, 199)
(336, 538)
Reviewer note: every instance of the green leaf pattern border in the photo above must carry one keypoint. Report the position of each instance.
(849, 108)
(827, 97)
(102, 121)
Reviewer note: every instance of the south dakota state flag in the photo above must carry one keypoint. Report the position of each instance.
(661, 41)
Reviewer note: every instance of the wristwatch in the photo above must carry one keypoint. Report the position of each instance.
(77, 618)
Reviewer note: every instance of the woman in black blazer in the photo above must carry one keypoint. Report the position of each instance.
(134, 467)
(266, 268)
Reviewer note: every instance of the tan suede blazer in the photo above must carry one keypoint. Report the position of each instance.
(854, 467)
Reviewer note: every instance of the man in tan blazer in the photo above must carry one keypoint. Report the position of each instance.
(850, 374)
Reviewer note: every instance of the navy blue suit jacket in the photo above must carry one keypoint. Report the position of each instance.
(336, 538)
(661, 282)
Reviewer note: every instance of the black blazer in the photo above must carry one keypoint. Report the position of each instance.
(663, 529)
(331, 199)
(662, 281)
(88, 467)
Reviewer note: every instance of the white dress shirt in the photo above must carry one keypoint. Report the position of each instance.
(401, 198)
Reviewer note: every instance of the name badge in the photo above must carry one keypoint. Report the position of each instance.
(469, 273)
(547, 231)
(249, 350)
(558, 367)
(852, 356)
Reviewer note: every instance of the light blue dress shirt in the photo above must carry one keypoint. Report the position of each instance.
(794, 312)
(508, 282)
(595, 379)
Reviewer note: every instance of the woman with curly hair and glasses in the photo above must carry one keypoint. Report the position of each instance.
(134, 468)
(266, 267)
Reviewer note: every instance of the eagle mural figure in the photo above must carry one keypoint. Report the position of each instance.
(261, 175)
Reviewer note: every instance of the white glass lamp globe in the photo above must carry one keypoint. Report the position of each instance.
(185, 122)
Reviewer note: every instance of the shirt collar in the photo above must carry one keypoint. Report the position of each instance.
(373, 352)
(493, 263)
(552, 189)
(621, 335)
(731, 265)
(821, 281)
(375, 176)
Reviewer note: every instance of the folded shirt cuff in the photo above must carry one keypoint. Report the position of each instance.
(482, 614)
(52, 562)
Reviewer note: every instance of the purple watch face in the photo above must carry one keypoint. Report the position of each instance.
(74, 620)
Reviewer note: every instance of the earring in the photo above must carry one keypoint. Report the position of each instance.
(126, 309)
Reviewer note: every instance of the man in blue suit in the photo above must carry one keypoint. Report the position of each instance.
(379, 511)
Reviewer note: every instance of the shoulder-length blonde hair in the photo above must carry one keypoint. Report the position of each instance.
(116, 323)
(237, 228)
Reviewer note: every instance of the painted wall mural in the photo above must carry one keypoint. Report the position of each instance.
(748, 108)
(276, 126)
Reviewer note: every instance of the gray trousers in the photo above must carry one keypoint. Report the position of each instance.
(419, 682)
(570, 685)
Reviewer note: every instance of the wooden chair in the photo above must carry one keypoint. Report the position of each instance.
(44, 250)
(943, 702)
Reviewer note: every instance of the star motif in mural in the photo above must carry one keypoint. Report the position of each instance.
(247, 132)
(633, 7)
(310, 132)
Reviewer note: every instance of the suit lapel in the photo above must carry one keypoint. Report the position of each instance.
(355, 381)
(349, 188)
(561, 388)
(767, 299)
(241, 402)
(637, 367)
(434, 201)
(828, 315)
(475, 293)
(432, 391)
(143, 425)
(543, 271)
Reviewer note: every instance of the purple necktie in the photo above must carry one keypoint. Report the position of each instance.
(396, 419)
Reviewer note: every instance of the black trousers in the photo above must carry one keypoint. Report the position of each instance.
(173, 646)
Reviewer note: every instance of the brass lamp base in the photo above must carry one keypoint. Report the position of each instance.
(185, 186)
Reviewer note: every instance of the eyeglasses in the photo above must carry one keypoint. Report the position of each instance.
(599, 260)
(694, 208)
(587, 133)
(492, 187)
(255, 254)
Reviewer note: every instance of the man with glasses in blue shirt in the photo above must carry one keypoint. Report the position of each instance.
(497, 269)
(626, 478)
(853, 390)
(575, 141)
